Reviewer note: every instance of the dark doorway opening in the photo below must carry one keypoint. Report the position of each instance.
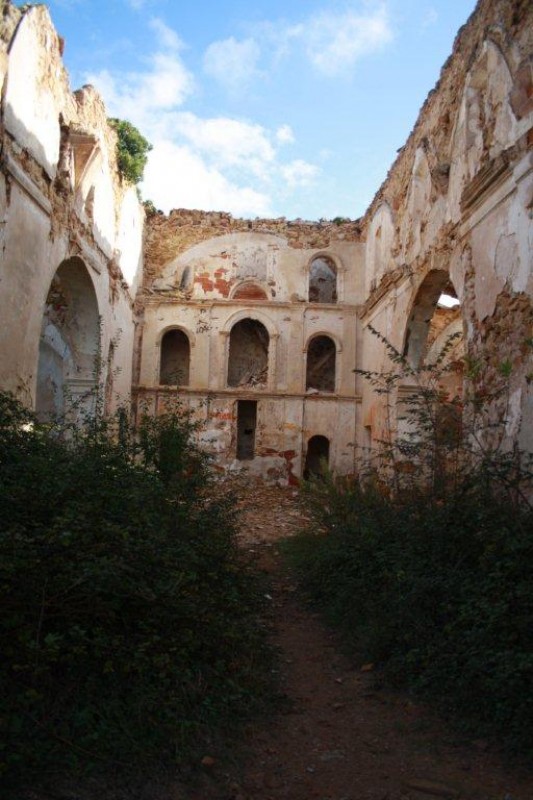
(317, 457)
(246, 425)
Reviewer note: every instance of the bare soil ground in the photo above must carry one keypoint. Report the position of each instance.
(343, 736)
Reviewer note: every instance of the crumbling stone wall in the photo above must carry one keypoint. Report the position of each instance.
(459, 199)
(62, 203)
(243, 292)
(454, 215)
(167, 237)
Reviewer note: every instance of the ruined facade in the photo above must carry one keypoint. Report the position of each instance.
(258, 325)
(455, 216)
(71, 233)
(259, 322)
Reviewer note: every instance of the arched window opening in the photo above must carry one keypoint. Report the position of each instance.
(435, 331)
(248, 354)
(320, 372)
(250, 292)
(322, 281)
(317, 457)
(69, 344)
(175, 359)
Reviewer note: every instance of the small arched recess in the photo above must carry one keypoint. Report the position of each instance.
(322, 280)
(320, 374)
(248, 357)
(175, 360)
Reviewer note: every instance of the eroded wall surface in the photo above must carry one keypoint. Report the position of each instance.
(61, 203)
(270, 317)
(243, 294)
(456, 212)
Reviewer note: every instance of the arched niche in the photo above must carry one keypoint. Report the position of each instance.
(175, 360)
(316, 457)
(321, 364)
(248, 357)
(379, 244)
(485, 123)
(492, 78)
(418, 204)
(322, 280)
(69, 344)
(250, 291)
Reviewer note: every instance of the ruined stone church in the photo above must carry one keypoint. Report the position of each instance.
(257, 325)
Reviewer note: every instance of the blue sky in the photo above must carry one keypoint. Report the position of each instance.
(263, 107)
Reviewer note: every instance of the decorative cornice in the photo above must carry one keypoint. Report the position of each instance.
(485, 182)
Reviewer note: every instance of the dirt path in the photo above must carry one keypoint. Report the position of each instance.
(343, 737)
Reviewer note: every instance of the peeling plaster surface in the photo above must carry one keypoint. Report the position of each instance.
(61, 199)
(456, 207)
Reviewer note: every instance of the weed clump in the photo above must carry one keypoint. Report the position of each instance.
(424, 560)
(129, 630)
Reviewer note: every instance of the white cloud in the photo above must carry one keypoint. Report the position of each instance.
(332, 41)
(168, 38)
(335, 42)
(285, 135)
(210, 163)
(138, 96)
(232, 63)
(299, 173)
(176, 177)
(228, 142)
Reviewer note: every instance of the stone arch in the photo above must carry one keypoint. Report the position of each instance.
(421, 331)
(379, 245)
(317, 452)
(323, 277)
(175, 357)
(248, 354)
(320, 374)
(69, 344)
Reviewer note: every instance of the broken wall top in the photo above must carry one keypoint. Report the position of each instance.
(61, 140)
(167, 237)
(507, 23)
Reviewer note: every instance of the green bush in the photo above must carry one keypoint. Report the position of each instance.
(440, 595)
(424, 560)
(129, 621)
(132, 150)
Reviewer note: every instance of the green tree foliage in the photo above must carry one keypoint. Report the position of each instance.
(425, 563)
(129, 629)
(132, 150)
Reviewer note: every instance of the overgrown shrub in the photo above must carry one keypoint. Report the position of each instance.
(129, 622)
(132, 150)
(427, 571)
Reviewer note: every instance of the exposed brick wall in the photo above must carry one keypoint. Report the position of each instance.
(169, 236)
